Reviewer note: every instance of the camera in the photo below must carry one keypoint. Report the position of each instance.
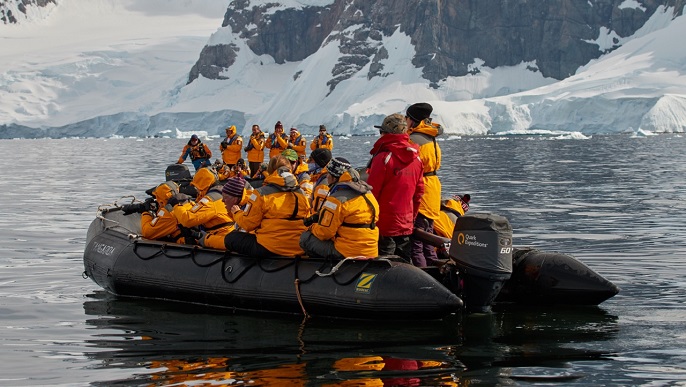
(148, 205)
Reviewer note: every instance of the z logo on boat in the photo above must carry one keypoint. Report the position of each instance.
(364, 284)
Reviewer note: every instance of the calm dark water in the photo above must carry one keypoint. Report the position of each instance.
(617, 203)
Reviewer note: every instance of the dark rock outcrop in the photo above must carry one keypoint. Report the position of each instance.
(447, 35)
(6, 6)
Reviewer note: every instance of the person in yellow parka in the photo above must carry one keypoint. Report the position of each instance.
(239, 169)
(236, 191)
(324, 140)
(200, 153)
(346, 224)
(207, 212)
(451, 209)
(300, 169)
(231, 147)
(277, 141)
(318, 177)
(297, 143)
(157, 221)
(162, 225)
(423, 132)
(255, 149)
(275, 213)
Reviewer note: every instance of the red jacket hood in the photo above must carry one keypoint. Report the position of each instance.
(399, 145)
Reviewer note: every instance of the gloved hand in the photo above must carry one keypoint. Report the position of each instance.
(310, 220)
(150, 205)
(190, 235)
(179, 198)
(199, 236)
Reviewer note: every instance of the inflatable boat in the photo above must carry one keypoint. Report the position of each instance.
(481, 268)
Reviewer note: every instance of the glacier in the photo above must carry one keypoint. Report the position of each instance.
(75, 70)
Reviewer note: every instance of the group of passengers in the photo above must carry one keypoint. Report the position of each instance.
(231, 149)
(322, 208)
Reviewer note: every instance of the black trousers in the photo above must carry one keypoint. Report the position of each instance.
(395, 245)
(254, 166)
(246, 244)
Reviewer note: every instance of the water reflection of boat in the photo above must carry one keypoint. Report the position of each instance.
(164, 344)
(167, 343)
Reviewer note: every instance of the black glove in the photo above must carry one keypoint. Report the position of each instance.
(310, 220)
(190, 235)
(179, 198)
(224, 144)
(150, 205)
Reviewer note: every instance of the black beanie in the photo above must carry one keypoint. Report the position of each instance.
(321, 156)
(419, 111)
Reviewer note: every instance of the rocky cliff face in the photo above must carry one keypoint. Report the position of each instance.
(11, 11)
(448, 36)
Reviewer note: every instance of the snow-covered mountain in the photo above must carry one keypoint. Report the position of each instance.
(142, 68)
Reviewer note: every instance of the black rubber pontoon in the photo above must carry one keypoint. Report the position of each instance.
(125, 265)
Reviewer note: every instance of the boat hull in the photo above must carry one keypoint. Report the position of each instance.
(126, 265)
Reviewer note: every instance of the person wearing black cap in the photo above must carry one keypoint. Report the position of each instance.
(345, 226)
(199, 152)
(324, 140)
(423, 132)
(277, 141)
(320, 189)
(395, 174)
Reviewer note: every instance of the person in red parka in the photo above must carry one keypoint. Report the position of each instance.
(395, 174)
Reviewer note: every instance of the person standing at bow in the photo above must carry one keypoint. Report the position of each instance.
(255, 150)
(277, 142)
(200, 154)
(231, 147)
(423, 132)
(324, 140)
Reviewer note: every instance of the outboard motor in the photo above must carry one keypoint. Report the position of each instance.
(181, 175)
(178, 173)
(482, 251)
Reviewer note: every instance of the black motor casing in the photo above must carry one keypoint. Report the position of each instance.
(482, 251)
(178, 173)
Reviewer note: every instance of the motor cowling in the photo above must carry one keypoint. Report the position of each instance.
(481, 249)
(178, 173)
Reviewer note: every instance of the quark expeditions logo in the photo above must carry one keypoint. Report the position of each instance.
(364, 284)
(469, 240)
(103, 249)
